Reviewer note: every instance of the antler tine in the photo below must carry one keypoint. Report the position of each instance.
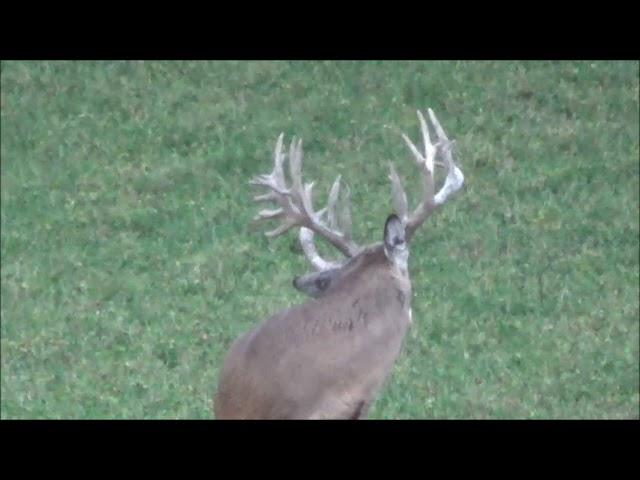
(429, 148)
(399, 196)
(426, 162)
(454, 180)
(338, 218)
(280, 229)
(275, 180)
(295, 168)
(296, 206)
(344, 214)
(331, 204)
(278, 156)
(339, 212)
(442, 137)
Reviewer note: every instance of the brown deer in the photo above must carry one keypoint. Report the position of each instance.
(328, 357)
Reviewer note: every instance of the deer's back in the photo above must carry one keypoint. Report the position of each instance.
(331, 352)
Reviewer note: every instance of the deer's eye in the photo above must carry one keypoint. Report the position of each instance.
(322, 283)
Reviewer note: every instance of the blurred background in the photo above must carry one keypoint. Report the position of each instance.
(130, 261)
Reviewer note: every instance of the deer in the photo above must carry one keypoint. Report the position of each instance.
(329, 357)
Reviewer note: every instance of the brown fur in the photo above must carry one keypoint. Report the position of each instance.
(325, 358)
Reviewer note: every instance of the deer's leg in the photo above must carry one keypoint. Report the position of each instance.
(361, 411)
(344, 407)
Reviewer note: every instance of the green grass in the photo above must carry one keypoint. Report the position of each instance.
(129, 261)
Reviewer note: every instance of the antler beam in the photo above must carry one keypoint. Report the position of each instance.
(426, 162)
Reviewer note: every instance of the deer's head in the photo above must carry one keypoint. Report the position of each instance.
(333, 222)
(327, 357)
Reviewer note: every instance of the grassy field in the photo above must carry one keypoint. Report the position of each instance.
(130, 263)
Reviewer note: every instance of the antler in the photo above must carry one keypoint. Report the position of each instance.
(426, 162)
(333, 223)
(296, 208)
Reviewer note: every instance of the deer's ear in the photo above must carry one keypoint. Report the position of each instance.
(395, 244)
(317, 283)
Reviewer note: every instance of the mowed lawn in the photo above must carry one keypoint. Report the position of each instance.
(130, 261)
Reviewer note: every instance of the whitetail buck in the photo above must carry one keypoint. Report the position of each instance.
(328, 357)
